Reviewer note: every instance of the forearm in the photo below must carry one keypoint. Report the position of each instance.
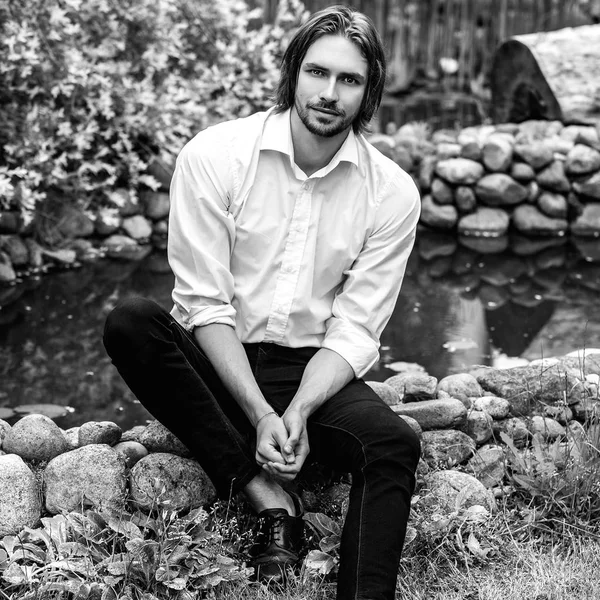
(228, 357)
(325, 374)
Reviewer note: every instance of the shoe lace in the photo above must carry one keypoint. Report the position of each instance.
(276, 528)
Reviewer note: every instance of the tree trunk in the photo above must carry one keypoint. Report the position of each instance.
(548, 75)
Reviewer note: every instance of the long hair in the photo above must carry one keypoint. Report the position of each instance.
(357, 28)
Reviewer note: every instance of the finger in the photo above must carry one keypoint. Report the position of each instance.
(266, 452)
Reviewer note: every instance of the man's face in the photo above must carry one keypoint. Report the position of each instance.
(331, 85)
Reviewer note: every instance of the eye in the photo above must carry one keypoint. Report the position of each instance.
(350, 80)
(316, 72)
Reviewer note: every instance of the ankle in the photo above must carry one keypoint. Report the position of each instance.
(264, 493)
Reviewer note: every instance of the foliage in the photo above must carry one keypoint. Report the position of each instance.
(109, 556)
(558, 482)
(92, 90)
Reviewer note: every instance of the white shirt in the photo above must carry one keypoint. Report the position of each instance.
(284, 258)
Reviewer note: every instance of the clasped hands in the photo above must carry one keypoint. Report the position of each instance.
(282, 444)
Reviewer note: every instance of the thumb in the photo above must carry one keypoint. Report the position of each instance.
(291, 442)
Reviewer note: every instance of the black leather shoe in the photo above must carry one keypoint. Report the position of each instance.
(278, 544)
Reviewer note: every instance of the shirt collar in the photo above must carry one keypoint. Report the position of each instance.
(277, 135)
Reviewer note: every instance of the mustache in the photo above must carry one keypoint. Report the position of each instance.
(332, 106)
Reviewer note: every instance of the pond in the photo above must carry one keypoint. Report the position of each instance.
(463, 302)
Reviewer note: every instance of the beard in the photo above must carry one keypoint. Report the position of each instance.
(324, 126)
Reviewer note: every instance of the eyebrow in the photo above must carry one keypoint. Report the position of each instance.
(357, 76)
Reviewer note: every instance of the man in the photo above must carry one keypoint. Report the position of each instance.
(288, 237)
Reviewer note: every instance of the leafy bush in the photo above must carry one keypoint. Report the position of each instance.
(92, 90)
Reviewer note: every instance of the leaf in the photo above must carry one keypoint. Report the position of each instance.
(69, 549)
(126, 528)
(475, 547)
(178, 583)
(56, 527)
(118, 567)
(330, 543)
(318, 561)
(19, 575)
(411, 534)
(81, 566)
(322, 524)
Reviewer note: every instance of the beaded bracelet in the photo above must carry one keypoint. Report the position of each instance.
(265, 415)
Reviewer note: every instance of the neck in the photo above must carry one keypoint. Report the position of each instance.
(313, 152)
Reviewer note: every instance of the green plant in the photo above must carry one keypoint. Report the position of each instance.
(92, 90)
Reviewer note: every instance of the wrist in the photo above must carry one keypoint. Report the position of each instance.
(265, 416)
(301, 409)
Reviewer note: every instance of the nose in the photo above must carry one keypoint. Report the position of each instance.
(329, 93)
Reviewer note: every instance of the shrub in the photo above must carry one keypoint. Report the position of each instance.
(91, 90)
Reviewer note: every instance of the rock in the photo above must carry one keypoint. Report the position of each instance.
(157, 438)
(488, 465)
(16, 249)
(582, 160)
(133, 434)
(528, 387)
(460, 386)
(453, 491)
(478, 426)
(492, 244)
(162, 170)
(536, 154)
(132, 452)
(441, 192)
(7, 272)
(492, 297)
(413, 424)
(10, 221)
(386, 392)
(121, 246)
(127, 203)
(426, 172)
(436, 215)
(434, 414)
(459, 171)
(413, 386)
(36, 438)
(497, 408)
(446, 447)
(108, 221)
(4, 429)
(553, 177)
(447, 150)
(500, 189)
(500, 270)
(432, 245)
(93, 475)
(167, 479)
(20, 497)
(484, 221)
(465, 199)
(514, 428)
(65, 256)
(444, 136)
(157, 204)
(559, 146)
(36, 255)
(589, 187)
(548, 428)
(587, 409)
(553, 205)
(522, 172)
(472, 151)
(588, 223)
(533, 192)
(99, 432)
(497, 153)
(530, 221)
(534, 130)
(72, 437)
(137, 227)
(71, 222)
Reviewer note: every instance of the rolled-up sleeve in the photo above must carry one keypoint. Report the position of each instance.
(365, 302)
(202, 234)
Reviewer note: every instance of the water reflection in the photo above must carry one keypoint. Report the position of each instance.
(464, 302)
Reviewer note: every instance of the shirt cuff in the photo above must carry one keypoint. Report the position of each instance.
(359, 350)
(198, 316)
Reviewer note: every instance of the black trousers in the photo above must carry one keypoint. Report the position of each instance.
(354, 431)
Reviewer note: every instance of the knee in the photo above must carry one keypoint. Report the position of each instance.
(402, 443)
(129, 324)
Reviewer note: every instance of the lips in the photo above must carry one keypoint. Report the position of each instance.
(327, 111)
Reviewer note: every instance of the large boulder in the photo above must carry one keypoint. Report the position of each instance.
(386, 392)
(536, 154)
(582, 160)
(4, 429)
(553, 177)
(169, 480)
(436, 215)
(497, 408)
(546, 427)
(498, 152)
(93, 475)
(157, 204)
(446, 447)
(587, 224)
(434, 414)
(36, 438)
(515, 428)
(553, 205)
(132, 452)
(478, 426)
(488, 464)
(20, 497)
(590, 187)
(528, 387)
(137, 227)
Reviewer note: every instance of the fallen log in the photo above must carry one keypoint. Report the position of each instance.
(551, 75)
